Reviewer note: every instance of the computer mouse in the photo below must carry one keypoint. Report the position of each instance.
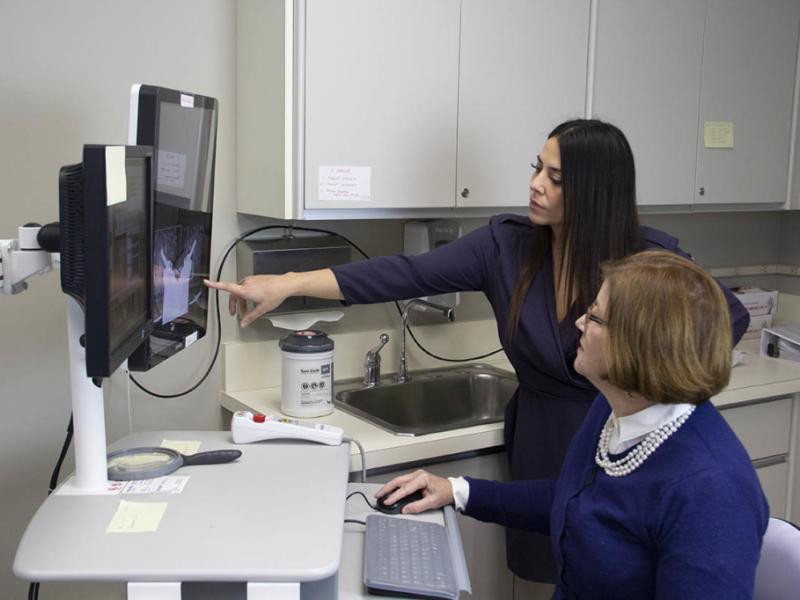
(397, 507)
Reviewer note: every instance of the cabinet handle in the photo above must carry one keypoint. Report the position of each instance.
(702, 191)
(769, 461)
(465, 193)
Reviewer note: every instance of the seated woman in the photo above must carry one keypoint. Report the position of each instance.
(657, 497)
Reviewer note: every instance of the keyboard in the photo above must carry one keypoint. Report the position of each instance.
(408, 558)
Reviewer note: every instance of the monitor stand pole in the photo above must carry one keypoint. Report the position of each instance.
(88, 412)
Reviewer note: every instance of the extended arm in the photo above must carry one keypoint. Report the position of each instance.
(458, 266)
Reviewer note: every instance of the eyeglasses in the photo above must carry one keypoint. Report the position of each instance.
(592, 317)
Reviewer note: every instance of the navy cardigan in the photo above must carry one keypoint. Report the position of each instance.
(687, 523)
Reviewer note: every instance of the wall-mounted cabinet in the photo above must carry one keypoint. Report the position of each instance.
(666, 69)
(380, 99)
(647, 81)
(379, 108)
(391, 107)
(522, 71)
(749, 67)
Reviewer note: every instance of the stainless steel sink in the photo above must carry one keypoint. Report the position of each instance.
(434, 400)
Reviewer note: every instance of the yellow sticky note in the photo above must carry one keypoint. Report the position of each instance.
(137, 517)
(718, 134)
(182, 446)
(116, 178)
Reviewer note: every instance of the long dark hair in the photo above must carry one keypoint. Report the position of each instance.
(600, 217)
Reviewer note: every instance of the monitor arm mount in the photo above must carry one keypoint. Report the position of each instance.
(36, 252)
(26, 256)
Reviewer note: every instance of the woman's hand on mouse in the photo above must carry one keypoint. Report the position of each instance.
(436, 491)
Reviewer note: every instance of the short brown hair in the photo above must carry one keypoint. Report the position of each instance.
(669, 330)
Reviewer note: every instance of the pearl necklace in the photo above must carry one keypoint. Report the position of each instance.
(633, 459)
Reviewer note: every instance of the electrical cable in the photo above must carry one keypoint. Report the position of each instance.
(219, 321)
(436, 356)
(364, 523)
(347, 438)
(357, 493)
(60, 461)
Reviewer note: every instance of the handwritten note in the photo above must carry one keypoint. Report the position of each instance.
(345, 184)
(171, 169)
(137, 517)
(718, 134)
(169, 484)
(182, 446)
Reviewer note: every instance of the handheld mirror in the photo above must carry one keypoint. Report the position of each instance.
(155, 461)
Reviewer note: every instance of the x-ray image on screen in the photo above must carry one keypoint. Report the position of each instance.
(174, 267)
(177, 271)
(180, 263)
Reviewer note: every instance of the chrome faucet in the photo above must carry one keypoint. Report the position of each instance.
(372, 363)
(447, 312)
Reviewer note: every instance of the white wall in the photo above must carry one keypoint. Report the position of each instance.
(67, 70)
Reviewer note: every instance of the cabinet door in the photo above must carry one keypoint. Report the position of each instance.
(774, 481)
(647, 82)
(522, 71)
(381, 87)
(749, 64)
(764, 428)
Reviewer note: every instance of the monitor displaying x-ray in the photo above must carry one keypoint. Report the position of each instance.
(181, 127)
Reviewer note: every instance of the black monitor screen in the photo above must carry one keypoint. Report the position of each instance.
(182, 129)
(105, 245)
(127, 241)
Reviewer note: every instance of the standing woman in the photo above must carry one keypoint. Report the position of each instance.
(539, 274)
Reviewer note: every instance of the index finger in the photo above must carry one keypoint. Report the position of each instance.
(231, 288)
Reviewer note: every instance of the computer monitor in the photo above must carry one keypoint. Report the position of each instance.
(182, 128)
(105, 244)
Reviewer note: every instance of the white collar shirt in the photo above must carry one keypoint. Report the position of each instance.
(632, 429)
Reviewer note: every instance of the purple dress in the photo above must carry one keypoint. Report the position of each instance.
(552, 399)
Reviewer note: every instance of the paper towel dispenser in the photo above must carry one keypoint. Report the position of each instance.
(278, 256)
(422, 236)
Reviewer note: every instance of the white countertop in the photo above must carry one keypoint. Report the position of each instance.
(758, 377)
(755, 378)
(381, 447)
(200, 538)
